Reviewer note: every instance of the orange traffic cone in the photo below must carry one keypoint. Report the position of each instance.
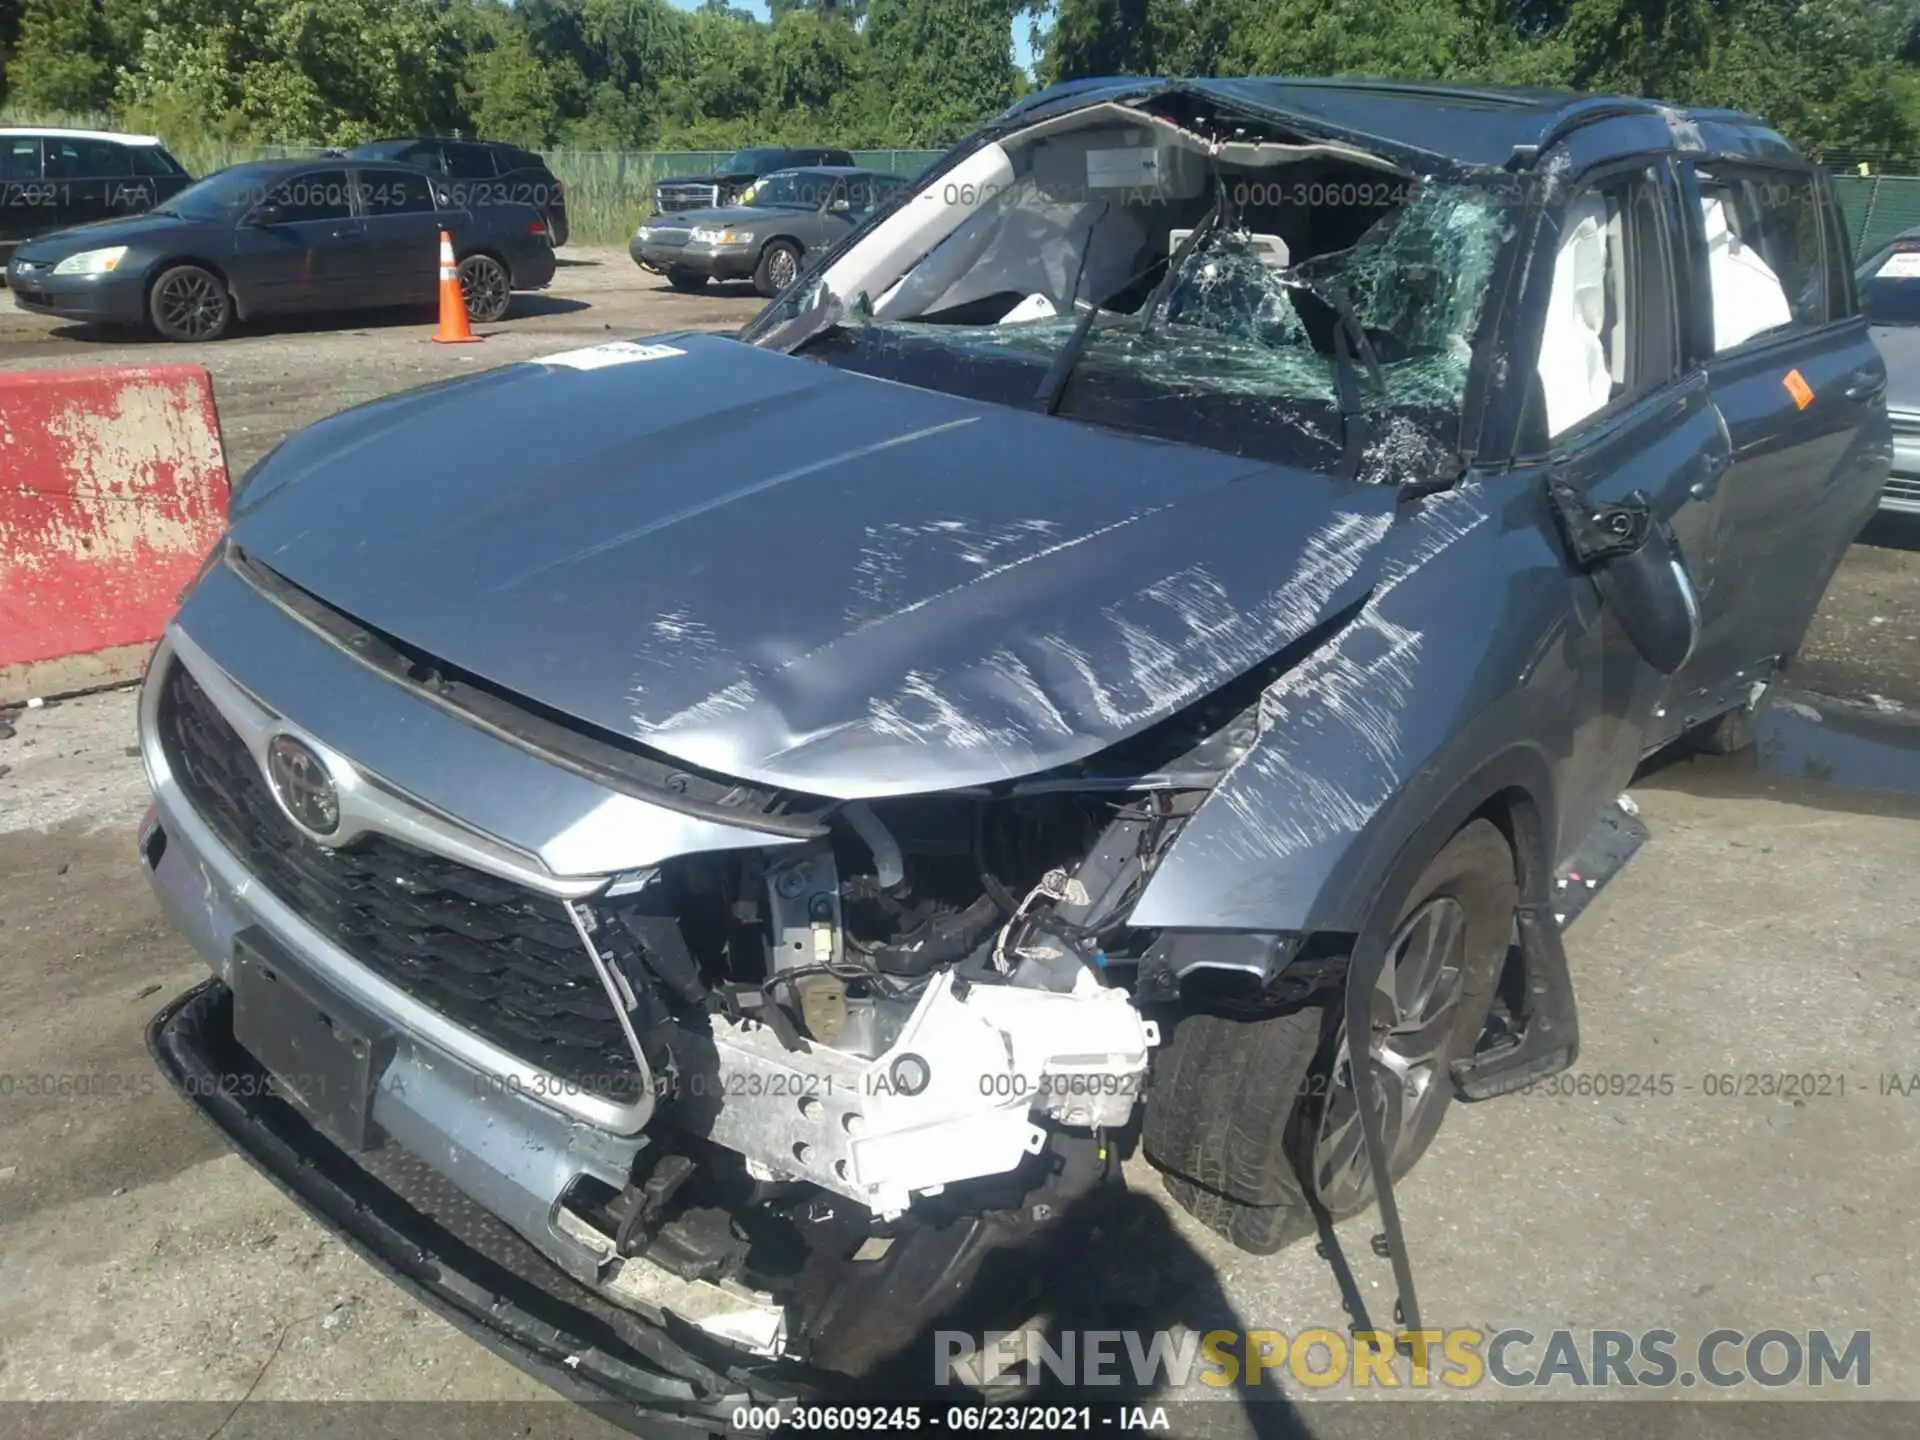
(454, 329)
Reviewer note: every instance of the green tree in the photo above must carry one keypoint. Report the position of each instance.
(937, 68)
(63, 58)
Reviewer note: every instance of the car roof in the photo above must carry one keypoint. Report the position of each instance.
(439, 139)
(1475, 124)
(116, 136)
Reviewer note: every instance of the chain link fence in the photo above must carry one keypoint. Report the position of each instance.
(1877, 208)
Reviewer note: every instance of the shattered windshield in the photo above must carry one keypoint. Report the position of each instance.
(1236, 320)
(1254, 316)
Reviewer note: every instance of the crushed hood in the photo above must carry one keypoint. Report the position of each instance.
(804, 577)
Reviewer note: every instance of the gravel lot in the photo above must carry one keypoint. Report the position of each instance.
(1766, 929)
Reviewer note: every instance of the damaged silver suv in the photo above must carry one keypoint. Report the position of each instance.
(701, 844)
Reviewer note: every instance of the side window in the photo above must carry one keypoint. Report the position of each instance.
(1610, 332)
(20, 158)
(1765, 261)
(70, 158)
(154, 161)
(470, 162)
(428, 155)
(395, 192)
(317, 195)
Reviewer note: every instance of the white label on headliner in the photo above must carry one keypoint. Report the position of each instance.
(1133, 167)
(614, 352)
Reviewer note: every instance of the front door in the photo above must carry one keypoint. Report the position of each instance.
(297, 249)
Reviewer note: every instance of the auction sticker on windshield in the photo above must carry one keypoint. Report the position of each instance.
(614, 352)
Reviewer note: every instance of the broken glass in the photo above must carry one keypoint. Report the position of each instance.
(1233, 321)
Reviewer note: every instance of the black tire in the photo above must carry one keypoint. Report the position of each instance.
(486, 287)
(779, 266)
(1235, 1115)
(189, 303)
(686, 281)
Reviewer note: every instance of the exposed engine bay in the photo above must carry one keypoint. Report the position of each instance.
(932, 1008)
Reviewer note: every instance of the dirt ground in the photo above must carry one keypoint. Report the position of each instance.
(1765, 930)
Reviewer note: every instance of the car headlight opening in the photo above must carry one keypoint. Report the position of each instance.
(92, 262)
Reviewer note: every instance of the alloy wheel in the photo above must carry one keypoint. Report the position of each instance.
(1415, 1007)
(191, 304)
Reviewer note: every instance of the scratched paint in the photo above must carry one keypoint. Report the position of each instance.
(113, 487)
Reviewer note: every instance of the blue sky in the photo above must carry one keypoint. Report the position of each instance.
(1022, 51)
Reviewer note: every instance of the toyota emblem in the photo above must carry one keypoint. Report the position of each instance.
(305, 789)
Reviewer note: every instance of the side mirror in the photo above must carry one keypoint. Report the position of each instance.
(264, 215)
(1637, 567)
(840, 206)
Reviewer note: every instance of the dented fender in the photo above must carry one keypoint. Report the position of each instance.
(1431, 700)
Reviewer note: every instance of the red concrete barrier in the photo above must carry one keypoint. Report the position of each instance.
(113, 487)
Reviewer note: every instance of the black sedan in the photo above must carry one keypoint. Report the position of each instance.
(279, 237)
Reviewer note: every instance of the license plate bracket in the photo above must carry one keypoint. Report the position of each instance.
(324, 1053)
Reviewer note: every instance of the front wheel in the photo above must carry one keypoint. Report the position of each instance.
(779, 264)
(486, 288)
(1255, 1120)
(190, 303)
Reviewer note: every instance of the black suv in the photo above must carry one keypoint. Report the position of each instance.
(730, 179)
(482, 172)
(52, 178)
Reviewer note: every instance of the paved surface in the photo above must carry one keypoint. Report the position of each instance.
(1766, 929)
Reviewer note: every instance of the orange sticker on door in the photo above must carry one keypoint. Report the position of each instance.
(1797, 387)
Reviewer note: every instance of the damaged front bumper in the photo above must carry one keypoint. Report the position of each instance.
(660, 1378)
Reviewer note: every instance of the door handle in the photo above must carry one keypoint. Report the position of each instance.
(1866, 386)
(1711, 466)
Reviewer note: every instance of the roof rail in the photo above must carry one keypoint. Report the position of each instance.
(1577, 116)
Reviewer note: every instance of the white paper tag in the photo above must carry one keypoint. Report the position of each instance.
(614, 352)
(1135, 167)
(1901, 265)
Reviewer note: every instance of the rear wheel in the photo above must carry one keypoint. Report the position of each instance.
(686, 280)
(779, 264)
(486, 287)
(188, 302)
(1252, 1116)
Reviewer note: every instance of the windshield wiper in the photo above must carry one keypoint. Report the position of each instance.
(1053, 385)
(1349, 337)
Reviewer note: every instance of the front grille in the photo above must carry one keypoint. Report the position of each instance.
(1905, 489)
(493, 957)
(686, 197)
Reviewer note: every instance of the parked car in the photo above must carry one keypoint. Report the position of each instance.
(52, 178)
(279, 237)
(1140, 621)
(1889, 282)
(481, 172)
(768, 234)
(734, 174)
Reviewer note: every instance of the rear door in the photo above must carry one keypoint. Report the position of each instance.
(75, 168)
(402, 256)
(1612, 411)
(1792, 371)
